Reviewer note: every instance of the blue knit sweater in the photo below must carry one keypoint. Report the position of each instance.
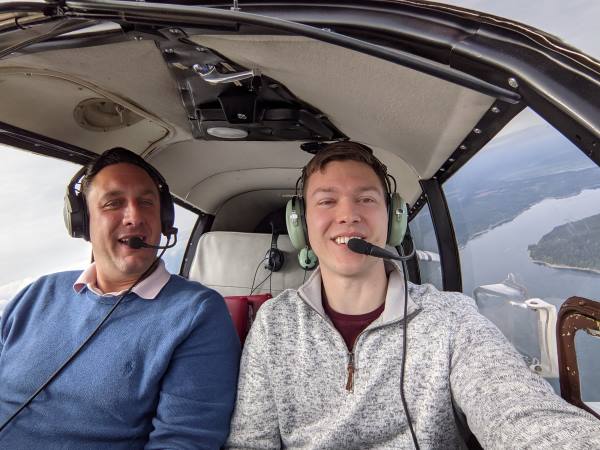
(161, 373)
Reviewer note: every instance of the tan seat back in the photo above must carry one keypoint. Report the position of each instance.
(227, 262)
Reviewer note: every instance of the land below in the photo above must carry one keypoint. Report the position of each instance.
(574, 245)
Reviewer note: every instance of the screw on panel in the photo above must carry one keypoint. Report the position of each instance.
(513, 83)
(169, 50)
(451, 160)
(476, 131)
(495, 109)
(137, 38)
(173, 30)
(463, 147)
(241, 116)
(200, 49)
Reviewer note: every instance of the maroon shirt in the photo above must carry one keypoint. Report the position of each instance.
(350, 325)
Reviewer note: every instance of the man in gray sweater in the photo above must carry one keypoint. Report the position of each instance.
(322, 365)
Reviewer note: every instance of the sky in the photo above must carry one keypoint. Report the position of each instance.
(32, 234)
(574, 21)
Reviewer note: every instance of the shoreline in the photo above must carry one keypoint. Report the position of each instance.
(562, 266)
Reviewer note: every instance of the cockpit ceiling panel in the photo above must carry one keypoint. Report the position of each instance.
(208, 173)
(134, 70)
(60, 107)
(412, 120)
(416, 116)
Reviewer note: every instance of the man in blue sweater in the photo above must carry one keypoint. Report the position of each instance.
(160, 372)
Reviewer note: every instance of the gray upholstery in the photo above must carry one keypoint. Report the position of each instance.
(226, 261)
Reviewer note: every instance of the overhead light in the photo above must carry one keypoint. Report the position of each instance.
(227, 133)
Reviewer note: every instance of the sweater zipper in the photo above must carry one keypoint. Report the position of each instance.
(350, 380)
(350, 368)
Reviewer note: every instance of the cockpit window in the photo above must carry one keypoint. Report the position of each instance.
(184, 221)
(526, 213)
(428, 257)
(33, 237)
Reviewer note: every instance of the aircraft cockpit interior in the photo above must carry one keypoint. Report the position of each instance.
(489, 127)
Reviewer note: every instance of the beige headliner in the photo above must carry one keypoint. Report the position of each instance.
(413, 121)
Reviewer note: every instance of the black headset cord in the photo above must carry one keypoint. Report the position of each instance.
(83, 344)
(404, 344)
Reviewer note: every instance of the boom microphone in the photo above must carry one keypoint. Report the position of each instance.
(136, 243)
(366, 248)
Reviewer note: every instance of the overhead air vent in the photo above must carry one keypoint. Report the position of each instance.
(101, 114)
(75, 111)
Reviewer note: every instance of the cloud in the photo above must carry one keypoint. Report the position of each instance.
(33, 237)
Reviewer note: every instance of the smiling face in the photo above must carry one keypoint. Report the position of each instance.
(123, 202)
(345, 199)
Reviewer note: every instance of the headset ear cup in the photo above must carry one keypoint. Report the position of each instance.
(75, 215)
(85, 222)
(397, 220)
(295, 222)
(275, 260)
(307, 259)
(167, 212)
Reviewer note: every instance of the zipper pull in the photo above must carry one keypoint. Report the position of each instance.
(350, 381)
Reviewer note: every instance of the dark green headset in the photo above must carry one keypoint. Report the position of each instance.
(295, 219)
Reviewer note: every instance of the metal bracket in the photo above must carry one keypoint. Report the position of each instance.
(548, 364)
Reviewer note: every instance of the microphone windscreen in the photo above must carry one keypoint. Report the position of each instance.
(135, 242)
(360, 246)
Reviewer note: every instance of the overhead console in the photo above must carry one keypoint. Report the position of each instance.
(225, 100)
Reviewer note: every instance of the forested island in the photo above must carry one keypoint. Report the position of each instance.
(574, 245)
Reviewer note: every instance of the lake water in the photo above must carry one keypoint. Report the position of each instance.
(490, 257)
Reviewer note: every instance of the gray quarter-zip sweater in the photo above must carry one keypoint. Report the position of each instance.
(293, 389)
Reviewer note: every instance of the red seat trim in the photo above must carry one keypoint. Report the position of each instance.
(243, 309)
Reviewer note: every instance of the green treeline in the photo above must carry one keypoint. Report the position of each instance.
(574, 244)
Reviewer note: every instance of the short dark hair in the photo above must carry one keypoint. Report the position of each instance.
(346, 151)
(118, 155)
